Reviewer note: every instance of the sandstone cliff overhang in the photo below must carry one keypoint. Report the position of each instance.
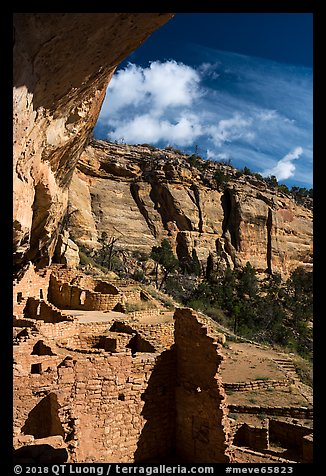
(62, 65)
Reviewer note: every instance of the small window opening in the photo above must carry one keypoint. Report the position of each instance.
(82, 297)
(19, 297)
(36, 369)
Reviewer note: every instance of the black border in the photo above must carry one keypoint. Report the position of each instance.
(222, 6)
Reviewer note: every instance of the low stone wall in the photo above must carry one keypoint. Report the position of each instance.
(296, 439)
(246, 455)
(145, 314)
(58, 331)
(255, 385)
(160, 335)
(95, 344)
(293, 412)
(133, 296)
(43, 311)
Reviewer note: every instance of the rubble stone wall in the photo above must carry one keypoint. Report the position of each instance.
(31, 284)
(256, 385)
(293, 412)
(58, 331)
(44, 311)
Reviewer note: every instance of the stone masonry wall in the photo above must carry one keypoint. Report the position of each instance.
(145, 314)
(293, 412)
(31, 284)
(111, 408)
(288, 434)
(58, 331)
(67, 296)
(202, 431)
(256, 385)
(44, 311)
(252, 436)
(160, 335)
(121, 392)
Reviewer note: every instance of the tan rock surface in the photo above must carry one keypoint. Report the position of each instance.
(62, 65)
(142, 195)
(67, 252)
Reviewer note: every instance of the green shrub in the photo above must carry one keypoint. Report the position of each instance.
(221, 178)
(194, 161)
(247, 171)
(149, 146)
(139, 275)
(173, 149)
(270, 311)
(83, 259)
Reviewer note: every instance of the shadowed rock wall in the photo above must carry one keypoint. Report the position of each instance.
(202, 428)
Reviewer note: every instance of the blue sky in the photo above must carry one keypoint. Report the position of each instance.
(236, 86)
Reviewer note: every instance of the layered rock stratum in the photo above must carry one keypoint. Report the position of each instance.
(62, 65)
(140, 195)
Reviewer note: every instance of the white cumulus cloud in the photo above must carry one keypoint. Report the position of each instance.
(150, 129)
(285, 168)
(232, 106)
(157, 87)
(227, 130)
(267, 115)
(171, 83)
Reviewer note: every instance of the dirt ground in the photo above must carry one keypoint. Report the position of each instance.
(244, 362)
(94, 316)
(107, 316)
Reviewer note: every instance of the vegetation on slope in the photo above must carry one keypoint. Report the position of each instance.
(267, 310)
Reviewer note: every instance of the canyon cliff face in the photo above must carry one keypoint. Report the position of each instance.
(62, 65)
(140, 195)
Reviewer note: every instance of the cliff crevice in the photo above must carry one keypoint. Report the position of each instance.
(135, 192)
